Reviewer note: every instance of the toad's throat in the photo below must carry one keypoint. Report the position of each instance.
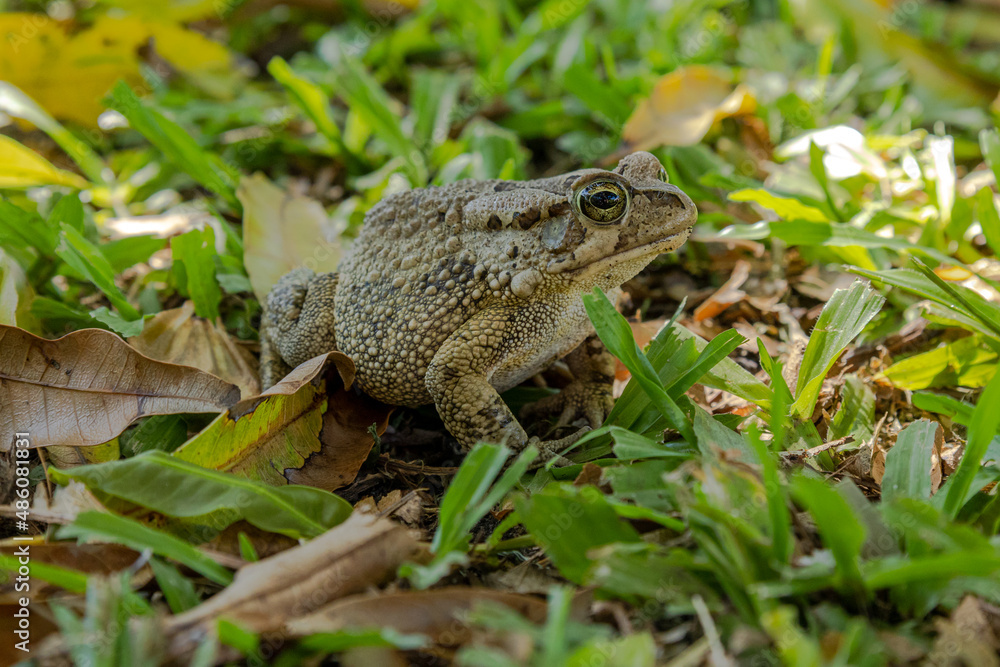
(570, 264)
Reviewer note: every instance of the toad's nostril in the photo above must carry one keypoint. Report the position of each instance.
(662, 197)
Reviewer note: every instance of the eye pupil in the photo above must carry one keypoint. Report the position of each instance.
(605, 199)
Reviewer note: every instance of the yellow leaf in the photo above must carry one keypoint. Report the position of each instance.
(171, 10)
(188, 51)
(282, 232)
(70, 75)
(21, 167)
(68, 80)
(683, 107)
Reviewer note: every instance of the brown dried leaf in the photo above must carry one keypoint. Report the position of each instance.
(86, 387)
(346, 440)
(436, 613)
(683, 106)
(726, 295)
(89, 558)
(361, 552)
(966, 638)
(177, 336)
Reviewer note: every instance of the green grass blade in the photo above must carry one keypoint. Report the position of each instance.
(86, 259)
(908, 463)
(616, 335)
(842, 531)
(177, 145)
(844, 316)
(121, 530)
(982, 429)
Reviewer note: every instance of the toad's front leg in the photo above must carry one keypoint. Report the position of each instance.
(458, 379)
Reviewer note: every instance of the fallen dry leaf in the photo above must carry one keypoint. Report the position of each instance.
(88, 558)
(726, 295)
(86, 387)
(295, 431)
(262, 435)
(966, 638)
(281, 232)
(265, 596)
(683, 106)
(177, 336)
(436, 613)
(346, 440)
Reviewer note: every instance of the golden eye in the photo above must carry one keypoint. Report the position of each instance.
(604, 202)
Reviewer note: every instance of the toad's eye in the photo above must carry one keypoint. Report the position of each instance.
(662, 175)
(604, 202)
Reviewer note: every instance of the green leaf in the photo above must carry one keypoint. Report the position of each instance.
(86, 259)
(843, 317)
(989, 142)
(263, 436)
(829, 234)
(117, 323)
(14, 102)
(568, 522)
(856, 415)
(125, 253)
(989, 219)
(177, 589)
(616, 335)
(195, 252)
(710, 356)
(982, 429)
(180, 489)
(782, 541)
(473, 492)
(610, 107)
(67, 210)
(310, 99)
(913, 282)
(26, 229)
(433, 101)
(786, 207)
(177, 145)
(987, 313)
(121, 530)
(366, 97)
(908, 463)
(966, 362)
(842, 531)
(941, 404)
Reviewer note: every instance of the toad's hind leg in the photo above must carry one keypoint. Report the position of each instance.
(298, 323)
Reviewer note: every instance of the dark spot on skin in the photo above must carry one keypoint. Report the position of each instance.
(559, 209)
(441, 215)
(526, 219)
(568, 183)
(515, 253)
(504, 186)
(494, 223)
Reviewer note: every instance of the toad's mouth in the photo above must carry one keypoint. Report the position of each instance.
(666, 244)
